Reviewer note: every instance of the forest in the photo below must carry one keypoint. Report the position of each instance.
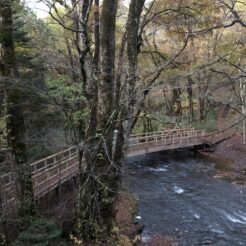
(92, 82)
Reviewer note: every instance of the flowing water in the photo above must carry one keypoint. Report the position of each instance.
(178, 196)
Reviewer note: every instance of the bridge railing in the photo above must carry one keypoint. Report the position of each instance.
(7, 188)
(170, 134)
(52, 160)
(47, 174)
(216, 137)
(172, 137)
(165, 132)
(52, 171)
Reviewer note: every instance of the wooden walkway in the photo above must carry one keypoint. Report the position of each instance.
(49, 173)
(164, 140)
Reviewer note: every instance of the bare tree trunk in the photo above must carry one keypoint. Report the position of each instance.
(108, 24)
(119, 70)
(167, 101)
(99, 182)
(242, 95)
(15, 119)
(198, 102)
(177, 101)
(97, 34)
(190, 99)
(96, 59)
(133, 41)
(201, 98)
(71, 61)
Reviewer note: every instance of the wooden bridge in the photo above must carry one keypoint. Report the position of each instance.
(49, 173)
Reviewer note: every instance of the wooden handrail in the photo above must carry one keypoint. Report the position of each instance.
(51, 171)
(44, 160)
(164, 131)
(154, 138)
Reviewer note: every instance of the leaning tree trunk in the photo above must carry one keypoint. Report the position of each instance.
(15, 118)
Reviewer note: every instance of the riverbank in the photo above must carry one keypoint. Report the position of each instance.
(129, 228)
(230, 156)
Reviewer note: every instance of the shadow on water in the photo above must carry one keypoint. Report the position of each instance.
(179, 197)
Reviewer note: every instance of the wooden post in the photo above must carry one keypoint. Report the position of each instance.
(203, 135)
(242, 95)
(59, 181)
(1, 197)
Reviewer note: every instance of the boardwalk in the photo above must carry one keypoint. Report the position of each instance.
(164, 140)
(49, 173)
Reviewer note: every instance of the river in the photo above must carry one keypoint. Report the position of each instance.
(178, 196)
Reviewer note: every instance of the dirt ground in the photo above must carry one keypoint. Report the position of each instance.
(231, 153)
(230, 156)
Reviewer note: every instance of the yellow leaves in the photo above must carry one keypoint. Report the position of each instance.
(75, 240)
(24, 50)
(124, 241)
(240, 6)
(3, 240)
(137, 239)
(115, 230)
